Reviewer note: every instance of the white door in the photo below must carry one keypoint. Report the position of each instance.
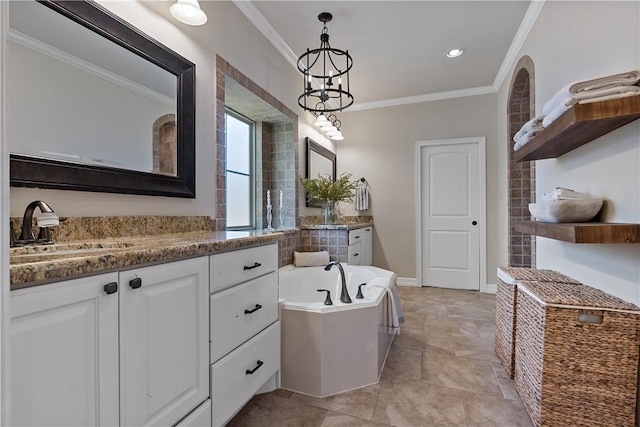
(64, 353)
(451, 215)
(164, 342)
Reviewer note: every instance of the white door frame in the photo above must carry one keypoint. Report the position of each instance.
(481, 141)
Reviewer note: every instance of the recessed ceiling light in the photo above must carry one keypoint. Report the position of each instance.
(454, 53)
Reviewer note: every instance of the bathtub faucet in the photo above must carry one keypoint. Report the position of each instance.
(344, 294)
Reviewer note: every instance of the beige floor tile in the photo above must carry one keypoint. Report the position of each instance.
(335, 419)
(483, 411)
(358, 403)
(272, 410)
(414, 339)
(413, 320)
(460, 373)
(472, 312)
(416, 403)
(403, 363)
(478, 348)
(506, 384)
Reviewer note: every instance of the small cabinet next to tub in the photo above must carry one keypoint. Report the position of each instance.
(360, 250)
(244, 328)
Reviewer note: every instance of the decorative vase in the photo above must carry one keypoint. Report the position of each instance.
(329, 212)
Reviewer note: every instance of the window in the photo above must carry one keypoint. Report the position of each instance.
(240, 175)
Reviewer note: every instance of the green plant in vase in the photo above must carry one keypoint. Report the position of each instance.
(329, 192)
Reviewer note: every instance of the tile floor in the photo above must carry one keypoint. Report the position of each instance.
(441, 371)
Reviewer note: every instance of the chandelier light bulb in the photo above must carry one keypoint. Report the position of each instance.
(188, 12)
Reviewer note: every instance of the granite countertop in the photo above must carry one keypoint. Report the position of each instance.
(36, 265)
(352, 226)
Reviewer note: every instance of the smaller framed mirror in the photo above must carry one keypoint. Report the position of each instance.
(320, 161)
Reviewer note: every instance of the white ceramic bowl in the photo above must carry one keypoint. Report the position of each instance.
(578, 210)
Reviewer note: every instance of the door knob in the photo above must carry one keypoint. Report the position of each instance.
(474, 222)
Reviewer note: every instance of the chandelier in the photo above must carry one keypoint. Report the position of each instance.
(325, 65)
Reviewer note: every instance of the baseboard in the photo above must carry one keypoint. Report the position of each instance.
(407, 281)
(490, 288)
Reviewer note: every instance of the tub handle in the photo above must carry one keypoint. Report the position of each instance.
(258, 307)
(359, 295)
(327, 300)
(255, 265)
(251, 371)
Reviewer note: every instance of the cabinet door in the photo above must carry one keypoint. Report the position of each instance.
(64, 354)
(164, 342)
(353, 253)
(366, 247)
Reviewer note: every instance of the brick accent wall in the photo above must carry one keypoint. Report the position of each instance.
(521, 175)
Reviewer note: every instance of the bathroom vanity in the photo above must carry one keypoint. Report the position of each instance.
(174, 330)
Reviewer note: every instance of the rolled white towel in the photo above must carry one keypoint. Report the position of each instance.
(623, 79)
(535, 123)
(310, 259)
(520, 142)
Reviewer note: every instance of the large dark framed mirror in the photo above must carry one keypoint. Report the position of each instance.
(320, 161)
(53, 141)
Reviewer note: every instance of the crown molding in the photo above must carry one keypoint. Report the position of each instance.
(436, 96)
(74, 61)
(529, 19)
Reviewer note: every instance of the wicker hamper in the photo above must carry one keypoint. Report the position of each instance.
(508, 277)
(576, 355)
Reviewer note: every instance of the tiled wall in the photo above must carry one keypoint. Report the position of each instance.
(521, 179)
(333, 241)
(286, 247)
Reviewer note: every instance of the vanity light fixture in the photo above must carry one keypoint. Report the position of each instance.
(188, 12)
(454, 53)
(325, 65)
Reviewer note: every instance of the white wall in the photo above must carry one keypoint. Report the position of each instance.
(572, 41)
(379, 145)
(227, 33)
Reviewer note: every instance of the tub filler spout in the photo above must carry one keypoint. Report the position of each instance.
(344, 293)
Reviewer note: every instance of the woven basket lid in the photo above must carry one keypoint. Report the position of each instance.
(513, 275)
(576, 295)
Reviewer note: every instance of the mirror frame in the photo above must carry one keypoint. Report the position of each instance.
(313, 146)
(28, 171)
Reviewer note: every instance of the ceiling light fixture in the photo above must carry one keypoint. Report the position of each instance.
(454, 53)
(188, 12)
(329, 124)
(325, 64)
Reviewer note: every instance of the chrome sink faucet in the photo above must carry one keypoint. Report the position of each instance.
(46, 220)
(344, 294)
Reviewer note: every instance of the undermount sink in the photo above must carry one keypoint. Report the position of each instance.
(34, 253)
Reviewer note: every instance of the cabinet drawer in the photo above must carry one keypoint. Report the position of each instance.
(230, 268)
(238, 313)
(356, 236)
(233, 384)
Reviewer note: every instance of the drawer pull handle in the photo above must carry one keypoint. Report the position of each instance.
(251, 371)
(111, 288)
(356, 237)
(255, 265)
(135, 283)
(258, 307)
(356, 254)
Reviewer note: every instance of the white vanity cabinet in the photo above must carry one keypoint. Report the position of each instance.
(245, 330)
(64, 353)
(164, 354)
(360, 249)
(135, 356)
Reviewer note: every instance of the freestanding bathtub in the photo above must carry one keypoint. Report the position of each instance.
(329, 349)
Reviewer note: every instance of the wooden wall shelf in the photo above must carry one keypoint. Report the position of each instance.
(580, 124)
(583, 232)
